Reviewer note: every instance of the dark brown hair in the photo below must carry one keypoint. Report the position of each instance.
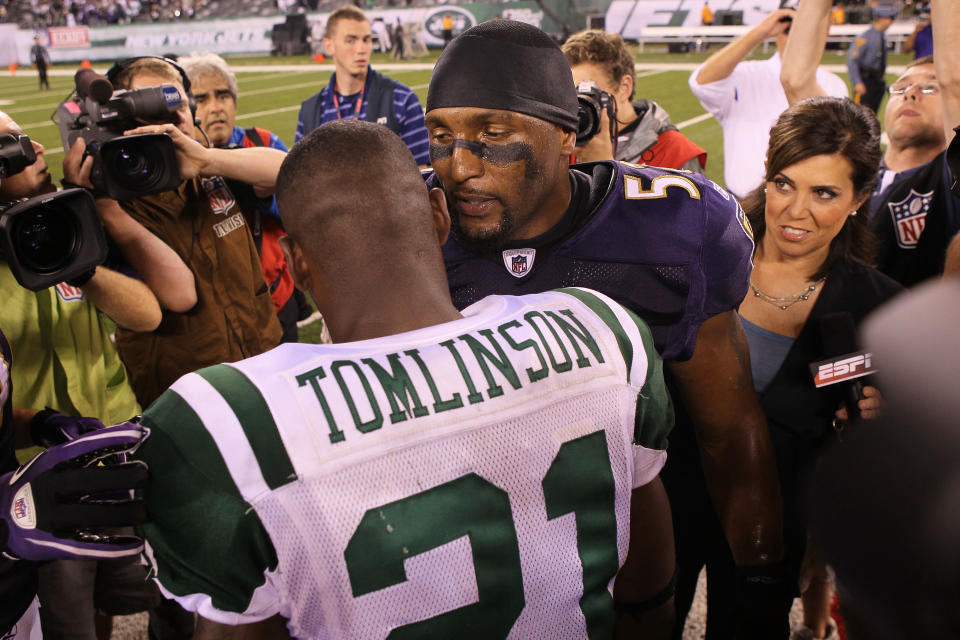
(826, 126)
(605, 49)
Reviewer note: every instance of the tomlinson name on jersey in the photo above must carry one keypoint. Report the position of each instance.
(414, 383)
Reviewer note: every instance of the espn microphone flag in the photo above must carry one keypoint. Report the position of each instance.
(843, 368)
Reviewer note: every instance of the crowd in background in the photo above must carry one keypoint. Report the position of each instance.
(58, 13)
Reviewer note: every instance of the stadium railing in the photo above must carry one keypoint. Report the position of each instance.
(701, 36)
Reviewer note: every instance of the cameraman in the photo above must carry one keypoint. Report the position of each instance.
(233, 317)
(67, 363)
(643, 131)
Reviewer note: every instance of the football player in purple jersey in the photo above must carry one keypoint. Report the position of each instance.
(56, 505)
(670, 245)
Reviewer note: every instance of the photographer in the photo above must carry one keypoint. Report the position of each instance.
(643, 131)
(233, 317)
(214, 87)
(67, 366)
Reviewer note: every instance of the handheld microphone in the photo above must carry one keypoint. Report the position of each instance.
(92, 84)
(845, 364)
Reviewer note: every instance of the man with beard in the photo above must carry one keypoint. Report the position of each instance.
(918, 215)
(913, 122)
(671, 246)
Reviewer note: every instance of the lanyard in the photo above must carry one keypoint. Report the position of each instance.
(336, 103)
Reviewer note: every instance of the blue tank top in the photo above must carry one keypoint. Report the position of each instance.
(768, 350)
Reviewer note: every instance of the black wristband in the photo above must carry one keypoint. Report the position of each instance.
(764, 597)
(82, 278)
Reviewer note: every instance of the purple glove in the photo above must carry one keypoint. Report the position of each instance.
(50, 427)
(56, 505)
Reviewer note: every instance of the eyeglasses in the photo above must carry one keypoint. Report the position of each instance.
(927, 89)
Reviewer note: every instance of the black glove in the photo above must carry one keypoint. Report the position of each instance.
(764, 597)
(49, 427)
(60, 504)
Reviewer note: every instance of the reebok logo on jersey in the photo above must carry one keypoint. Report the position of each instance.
(519, 261)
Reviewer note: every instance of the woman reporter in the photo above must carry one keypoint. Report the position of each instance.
(813, 251)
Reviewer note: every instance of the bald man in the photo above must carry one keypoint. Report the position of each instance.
(433, 471)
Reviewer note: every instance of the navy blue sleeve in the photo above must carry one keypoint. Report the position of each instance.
(727, 250)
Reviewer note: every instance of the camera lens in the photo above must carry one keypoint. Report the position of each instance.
(134, 166)
(131, 165)
(45, 239)
(588, 120)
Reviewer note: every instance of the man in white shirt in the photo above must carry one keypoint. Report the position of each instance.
(746, 97)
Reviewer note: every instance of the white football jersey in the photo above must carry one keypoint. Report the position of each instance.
(470, 479)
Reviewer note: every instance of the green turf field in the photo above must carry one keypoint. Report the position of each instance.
(271, 99)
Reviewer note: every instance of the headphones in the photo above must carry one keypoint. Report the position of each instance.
(119, 66)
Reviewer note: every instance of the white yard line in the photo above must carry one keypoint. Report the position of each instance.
(693, 121)
(650, 72)
(270, 112)
(286, 87)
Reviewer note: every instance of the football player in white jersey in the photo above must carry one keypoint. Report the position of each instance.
(431, 475)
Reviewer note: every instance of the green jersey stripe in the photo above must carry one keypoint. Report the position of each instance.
(654, 418)
(235, 547)
(251, 410)
(180, 420)
(605, 313)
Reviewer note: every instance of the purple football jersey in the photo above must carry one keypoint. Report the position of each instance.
(672, 246)
(18, 579)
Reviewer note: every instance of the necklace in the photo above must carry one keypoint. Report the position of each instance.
(788, 301)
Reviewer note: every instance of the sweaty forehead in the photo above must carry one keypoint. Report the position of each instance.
(589, 71)
(921, 72)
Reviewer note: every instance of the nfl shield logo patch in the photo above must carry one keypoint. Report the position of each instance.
(20, 508)
(23, 512)
(219, 194)
(910, 216)
(519, 261)
(69, 293)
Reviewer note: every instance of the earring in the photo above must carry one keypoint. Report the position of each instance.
(854, 212)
